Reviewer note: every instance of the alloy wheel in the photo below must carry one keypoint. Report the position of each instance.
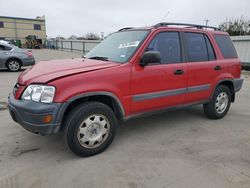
(93, 131)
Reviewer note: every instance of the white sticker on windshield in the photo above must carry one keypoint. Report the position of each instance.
(129, 44)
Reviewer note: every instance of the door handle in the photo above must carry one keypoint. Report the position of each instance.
(218, 67)
(178, 72)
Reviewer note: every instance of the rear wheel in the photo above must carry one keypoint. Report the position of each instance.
(90, 128)
(13, 65)
(218, 107)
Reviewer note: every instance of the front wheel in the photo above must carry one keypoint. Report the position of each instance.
(220, 103)
(90, 128)
(13, 65)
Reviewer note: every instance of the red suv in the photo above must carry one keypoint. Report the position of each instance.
(135, 71)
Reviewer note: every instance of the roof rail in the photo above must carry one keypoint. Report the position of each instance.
(125, 28)
(166, 24)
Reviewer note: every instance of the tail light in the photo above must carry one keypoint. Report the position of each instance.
(28, 54)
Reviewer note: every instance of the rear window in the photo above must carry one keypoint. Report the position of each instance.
(226, 46)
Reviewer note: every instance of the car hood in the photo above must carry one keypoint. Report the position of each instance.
(45, 71)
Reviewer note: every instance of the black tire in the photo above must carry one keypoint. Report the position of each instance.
(13, 65)
(74, 121)
(210, 109)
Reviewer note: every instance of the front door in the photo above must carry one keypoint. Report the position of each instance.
(2, 56)
(160, 85)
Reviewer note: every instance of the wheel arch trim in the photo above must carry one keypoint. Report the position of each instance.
(231, 80)
(91, 94)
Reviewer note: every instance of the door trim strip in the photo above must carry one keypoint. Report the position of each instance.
(168, 93)
(198, 88)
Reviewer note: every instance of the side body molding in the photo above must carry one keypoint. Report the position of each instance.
(167, 93)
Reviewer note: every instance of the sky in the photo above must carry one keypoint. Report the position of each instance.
(78, 17)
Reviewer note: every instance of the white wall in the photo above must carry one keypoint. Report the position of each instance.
(242, 45)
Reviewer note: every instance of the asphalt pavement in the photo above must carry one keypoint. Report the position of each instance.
(179, 148)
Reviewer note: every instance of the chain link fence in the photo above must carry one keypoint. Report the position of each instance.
(79, 46)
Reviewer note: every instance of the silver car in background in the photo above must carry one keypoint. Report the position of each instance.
(13, 58)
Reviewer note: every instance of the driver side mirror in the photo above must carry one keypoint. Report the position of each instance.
(150, 57)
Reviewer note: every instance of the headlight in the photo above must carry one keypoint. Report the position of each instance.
(39, 93)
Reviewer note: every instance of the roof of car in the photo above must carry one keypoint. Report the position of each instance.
(6, 43)
(185, 26)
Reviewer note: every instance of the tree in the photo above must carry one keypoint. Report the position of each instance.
(236, 26)
(60, 38)
(91, 36)
(80, 38)
(72, 37)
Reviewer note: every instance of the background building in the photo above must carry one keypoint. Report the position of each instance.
(14, 28)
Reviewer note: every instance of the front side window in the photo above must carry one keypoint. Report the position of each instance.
(196, 47)
(118, 47)
(1, 24)
(37, 27)
(226, 46)
(168, 44)
(5, 48)
(1, 48)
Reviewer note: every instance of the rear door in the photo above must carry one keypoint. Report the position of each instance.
(202, 65)
(160, 85)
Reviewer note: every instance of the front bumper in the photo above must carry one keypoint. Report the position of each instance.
(30, 114)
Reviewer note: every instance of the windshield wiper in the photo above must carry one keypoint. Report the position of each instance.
(99, 58)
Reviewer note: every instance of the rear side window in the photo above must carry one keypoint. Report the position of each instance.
(210, 50)
(196, 47)
(226, 46)
(168, 44)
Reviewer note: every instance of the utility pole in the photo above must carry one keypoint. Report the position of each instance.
(207, 20)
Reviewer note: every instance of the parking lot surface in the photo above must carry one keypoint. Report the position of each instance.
(174, 149)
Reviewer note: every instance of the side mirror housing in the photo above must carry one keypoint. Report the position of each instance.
(150, 57)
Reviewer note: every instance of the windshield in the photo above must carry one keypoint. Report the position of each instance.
(118, 47)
